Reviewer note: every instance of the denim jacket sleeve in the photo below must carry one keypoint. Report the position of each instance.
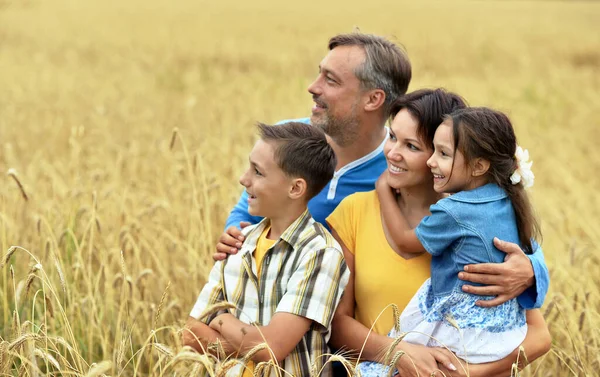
(534, 296)
(240, 213)
(438, 231)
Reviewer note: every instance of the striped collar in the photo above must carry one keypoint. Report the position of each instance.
(291, 235)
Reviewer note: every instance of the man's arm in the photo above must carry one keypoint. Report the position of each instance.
(281, 335)
(521, 275)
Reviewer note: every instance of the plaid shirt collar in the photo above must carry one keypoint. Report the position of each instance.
(291, 235)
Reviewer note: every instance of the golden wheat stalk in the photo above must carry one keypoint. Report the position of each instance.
(216, 308)
(161, 302)
(98, 369)
(46, 356)
(223, 368)
(173, 138)
(9, 253)
(13, 174)
(15, 344)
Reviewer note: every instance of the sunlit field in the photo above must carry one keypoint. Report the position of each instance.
(124, 127)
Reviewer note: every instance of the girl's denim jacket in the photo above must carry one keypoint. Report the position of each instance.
(461, 230)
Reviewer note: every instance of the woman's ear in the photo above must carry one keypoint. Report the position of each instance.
(479, 167)
(298, 188)
(375, 99)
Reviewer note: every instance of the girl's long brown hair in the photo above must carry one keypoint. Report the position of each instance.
(480, 132)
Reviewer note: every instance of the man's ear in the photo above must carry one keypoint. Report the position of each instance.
(479, 167)
(298, 188)
(375, 99)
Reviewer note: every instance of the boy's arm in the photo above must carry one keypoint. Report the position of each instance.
(399, 230)
(200, 336)
(281, 335)
(197, 334)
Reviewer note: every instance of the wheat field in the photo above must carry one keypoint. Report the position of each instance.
(124, 127)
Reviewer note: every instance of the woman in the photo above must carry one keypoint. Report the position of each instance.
(380, 273)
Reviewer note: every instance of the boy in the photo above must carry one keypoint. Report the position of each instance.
(289, 275)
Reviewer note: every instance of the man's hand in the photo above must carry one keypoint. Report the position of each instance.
(423, 361)
(230, 242)
(505, 280)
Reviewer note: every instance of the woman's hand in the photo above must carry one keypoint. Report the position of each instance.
(423, 361)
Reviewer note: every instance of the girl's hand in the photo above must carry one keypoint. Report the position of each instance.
(382, 182)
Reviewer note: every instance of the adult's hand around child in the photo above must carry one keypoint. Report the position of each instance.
(423, 361)
(504, 280)
(230, 241)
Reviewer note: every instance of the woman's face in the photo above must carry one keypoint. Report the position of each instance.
(407, 154)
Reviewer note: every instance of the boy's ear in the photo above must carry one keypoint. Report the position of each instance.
(298, 188)
(480, 166)
(375, 99)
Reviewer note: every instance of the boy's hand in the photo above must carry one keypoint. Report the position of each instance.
(230, 242)
(505, 280)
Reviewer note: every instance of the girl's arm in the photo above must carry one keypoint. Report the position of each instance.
(537, 342)
(400, 232)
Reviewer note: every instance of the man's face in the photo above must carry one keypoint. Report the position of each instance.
(266, 184)
(337, 94)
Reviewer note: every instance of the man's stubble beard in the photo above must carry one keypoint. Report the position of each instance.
(343, 131)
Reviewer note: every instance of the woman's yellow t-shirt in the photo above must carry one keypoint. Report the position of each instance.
(381, 276)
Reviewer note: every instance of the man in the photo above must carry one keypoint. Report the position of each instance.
(358, 79)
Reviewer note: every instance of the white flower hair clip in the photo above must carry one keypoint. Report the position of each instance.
(523, 172)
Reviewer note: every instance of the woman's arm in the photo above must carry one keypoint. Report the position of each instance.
(400, 232)
(537, 342)
(348, 335)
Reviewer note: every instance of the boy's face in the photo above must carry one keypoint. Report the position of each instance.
(266, 184)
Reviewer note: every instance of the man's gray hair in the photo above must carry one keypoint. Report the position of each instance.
(386, 65)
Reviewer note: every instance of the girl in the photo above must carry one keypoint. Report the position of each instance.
(476, 158)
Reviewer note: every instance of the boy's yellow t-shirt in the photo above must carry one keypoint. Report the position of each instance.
(262, 246)
(381, 276)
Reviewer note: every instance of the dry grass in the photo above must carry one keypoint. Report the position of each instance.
(119, 212)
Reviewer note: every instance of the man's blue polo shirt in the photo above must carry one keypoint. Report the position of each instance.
(361, 175)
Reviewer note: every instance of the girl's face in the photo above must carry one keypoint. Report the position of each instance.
(406, 154)
(450, 171)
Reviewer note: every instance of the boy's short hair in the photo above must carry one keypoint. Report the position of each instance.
(302, 150)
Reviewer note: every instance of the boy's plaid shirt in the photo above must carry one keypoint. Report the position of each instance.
(304, 273)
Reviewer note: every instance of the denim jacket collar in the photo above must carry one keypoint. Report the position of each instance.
(486, 193)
